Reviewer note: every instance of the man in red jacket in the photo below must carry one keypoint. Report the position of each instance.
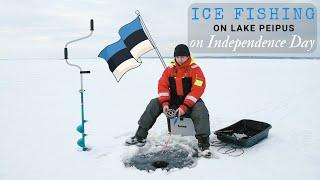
(180, 87)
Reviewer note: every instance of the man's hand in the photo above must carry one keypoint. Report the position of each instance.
(165, 109)
(180, 112)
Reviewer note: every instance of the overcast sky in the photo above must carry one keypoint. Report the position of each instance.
(40, 29)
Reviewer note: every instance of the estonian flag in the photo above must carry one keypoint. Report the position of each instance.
(124, 54)
(135, 38)
(119, 59)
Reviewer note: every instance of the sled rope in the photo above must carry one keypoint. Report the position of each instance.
(225, 148)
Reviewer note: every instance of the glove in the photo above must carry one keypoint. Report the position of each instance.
(165, 109)
(180, 112)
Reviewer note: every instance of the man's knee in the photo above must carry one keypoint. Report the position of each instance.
(154, 103)
(201, 110)
(154, 107)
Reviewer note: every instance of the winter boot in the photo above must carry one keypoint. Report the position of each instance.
(204, 147)
(136, 141)
(139, 138)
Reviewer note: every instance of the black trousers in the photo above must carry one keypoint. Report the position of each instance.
(199, 115)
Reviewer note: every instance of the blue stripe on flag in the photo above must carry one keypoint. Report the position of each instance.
(112, 49)
(130, 28)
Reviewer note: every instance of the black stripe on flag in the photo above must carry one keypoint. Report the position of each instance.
(118, 58)
(135, 38)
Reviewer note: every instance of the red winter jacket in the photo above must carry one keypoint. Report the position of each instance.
(181, 85)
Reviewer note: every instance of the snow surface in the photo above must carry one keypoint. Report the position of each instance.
(40, 109)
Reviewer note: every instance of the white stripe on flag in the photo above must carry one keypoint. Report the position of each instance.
(141, 48)
(124, 67)
(192, 98)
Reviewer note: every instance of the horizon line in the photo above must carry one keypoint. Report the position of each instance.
(170, 57)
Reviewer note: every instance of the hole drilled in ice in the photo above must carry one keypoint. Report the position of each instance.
(176, 156)
(160, 164)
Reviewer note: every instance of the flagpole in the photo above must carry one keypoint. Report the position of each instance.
(151, 40)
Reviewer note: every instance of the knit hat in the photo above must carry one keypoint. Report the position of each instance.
(181, 50)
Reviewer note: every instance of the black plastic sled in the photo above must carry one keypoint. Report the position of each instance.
(244, 133)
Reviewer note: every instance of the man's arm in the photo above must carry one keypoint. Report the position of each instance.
(163, 88)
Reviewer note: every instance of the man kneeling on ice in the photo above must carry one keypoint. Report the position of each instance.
(180, 87)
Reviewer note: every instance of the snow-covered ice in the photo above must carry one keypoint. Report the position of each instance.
(40, 109)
